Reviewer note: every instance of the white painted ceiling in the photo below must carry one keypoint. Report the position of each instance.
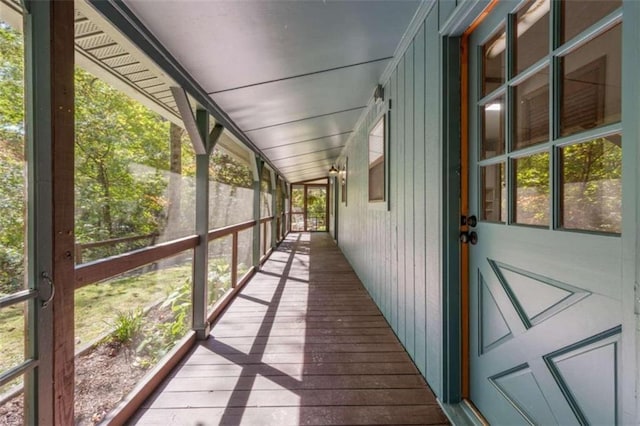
(294, 76)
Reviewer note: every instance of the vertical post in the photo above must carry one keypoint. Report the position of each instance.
(288, 189)
(305, 206)
(285, 208)
(264, 239)
(234, 260)
(274, 209)
(49, 60)
(257, 172)
(201, 252)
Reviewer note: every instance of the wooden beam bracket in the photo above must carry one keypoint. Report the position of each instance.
(189, 119)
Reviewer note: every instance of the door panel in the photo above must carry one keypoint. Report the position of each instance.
(545, 302)
(309, 207)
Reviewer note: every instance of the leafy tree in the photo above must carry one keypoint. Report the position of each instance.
(225, 169)
(121, 150)
(130, 165)
(12, 189)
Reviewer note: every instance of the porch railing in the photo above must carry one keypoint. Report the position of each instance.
(110, 267)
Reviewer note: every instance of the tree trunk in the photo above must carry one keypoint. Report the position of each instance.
(173, 226)
(103, 179)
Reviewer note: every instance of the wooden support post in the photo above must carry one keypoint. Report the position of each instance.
(264, 238)
(201, 253)
(234, 260)
(274, 209)
(286, 227)
(49, 66)
(257, 173)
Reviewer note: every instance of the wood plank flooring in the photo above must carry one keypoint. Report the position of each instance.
(303, 343)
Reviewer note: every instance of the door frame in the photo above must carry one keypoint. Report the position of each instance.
(306, 184)
(454, 82)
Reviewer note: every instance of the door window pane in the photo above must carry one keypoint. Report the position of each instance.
(531, 115)
(591, 185)
(493, 129)
(13, 168)
(532, 32)
(494, 206)
(578, 15)
(591, 77)
(297, 199)
(493, 62)
(14, 320)
(12, 341)
(316, 208)
(531, 196)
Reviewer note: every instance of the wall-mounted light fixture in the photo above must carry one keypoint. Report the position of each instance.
(343, 174)
(333, 171)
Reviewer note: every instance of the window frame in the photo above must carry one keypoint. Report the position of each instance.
(383, 163)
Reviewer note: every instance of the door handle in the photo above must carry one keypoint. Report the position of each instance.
(467, 237)
(471, 221)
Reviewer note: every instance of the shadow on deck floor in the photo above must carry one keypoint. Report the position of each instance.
(303, 343)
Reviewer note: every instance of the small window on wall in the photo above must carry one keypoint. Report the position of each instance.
(376, 161)
(343, 180)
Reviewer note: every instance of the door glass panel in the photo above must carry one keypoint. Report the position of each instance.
(493, 62)
(316, 209)
(11, 410)
(12, 161)
(591, 185)
(532, 31)
(577, 16)
(493, 139)
(531, 115)
(14, 321)
(494, 206)
(591, 77)
(297, 198)
(297, 222)
(531, 196)
(12, 339)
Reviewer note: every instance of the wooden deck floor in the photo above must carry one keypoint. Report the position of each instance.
(303, 343)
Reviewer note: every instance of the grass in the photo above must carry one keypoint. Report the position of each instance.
(126, 326)
(97, 307)
(100, 308)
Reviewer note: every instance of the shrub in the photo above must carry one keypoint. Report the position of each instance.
(127, 327)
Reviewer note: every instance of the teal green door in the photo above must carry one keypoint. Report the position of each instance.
(546, 150)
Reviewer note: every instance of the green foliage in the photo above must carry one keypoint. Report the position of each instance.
(163, 336)
(592, 172)
(121, 151)
(126, 327)
(225, 169)
(12, 189)
(219, 279)
(122, 163)
(11, 87)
